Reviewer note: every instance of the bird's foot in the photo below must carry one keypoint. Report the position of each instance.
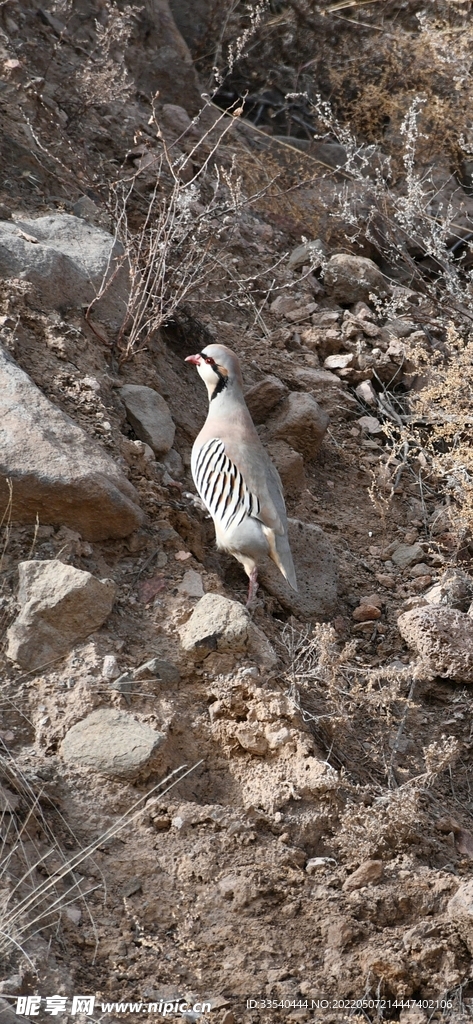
(252, 590)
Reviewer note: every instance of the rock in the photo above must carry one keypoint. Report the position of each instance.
(460, 912)
(160, 60)
(165, 671)
(264, 396)
(174, 464)
(316, 864)
(454, 589)
(400, 328)
(217, 624)
(370, 425)
(407, 554)
(302, 312)
(111, 742)
(341, 361)
(310, 253)
(443, 638)
(87, 210)
(284, 304)
(175, 118)
(367, 613)
(66, 259)
(419, 570)
(110, 669)
(290, 466)
(351, 279)
(58, 605)
(327, 389)
(316, 572)
(250, 736)
(367, 873)
(149, 416)
(301, 422)
(366, 393)
(191, 585)
(58, 473)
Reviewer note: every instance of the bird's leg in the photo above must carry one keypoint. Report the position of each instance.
(252, 589)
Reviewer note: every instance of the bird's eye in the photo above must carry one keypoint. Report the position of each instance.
(209, 360)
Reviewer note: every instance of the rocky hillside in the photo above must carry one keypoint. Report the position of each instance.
(199, 805)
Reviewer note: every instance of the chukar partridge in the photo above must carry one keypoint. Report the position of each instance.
(234, 475)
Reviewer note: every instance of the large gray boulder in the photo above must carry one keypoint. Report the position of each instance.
(58, 605)
(112, 742)
(149, 415)
(316, 571)
(66, 259)
(57, 472)
(443, 639)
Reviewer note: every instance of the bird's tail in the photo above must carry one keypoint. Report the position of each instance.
(281, 554)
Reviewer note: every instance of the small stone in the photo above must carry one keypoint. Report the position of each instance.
(132, 886)
(111, 742)
(9, 802)
(110, 669)
(301, 313)
(372, 599)
(340, 361)
(159, 668)
(309, 252)
(217, 624)
(366, 613)
(284, 304)
(191, 585)
(87, 210)
(421, 569)
(73, 914)
(370, 425)
(176, 118)
(421, 583)
(123, 685)
(174, 463)
(366, 393)
(251, 737)
(182, 556)
(316, 864)
(386, 580)
(407, 554)
(367, 873)
(149, 416)
(58, 605)
(454, 589)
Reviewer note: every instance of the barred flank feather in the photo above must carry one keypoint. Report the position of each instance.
(222, 487)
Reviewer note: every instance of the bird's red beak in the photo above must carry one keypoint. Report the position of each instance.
(193, 359)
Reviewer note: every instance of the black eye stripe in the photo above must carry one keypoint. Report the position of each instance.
(208, 359)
